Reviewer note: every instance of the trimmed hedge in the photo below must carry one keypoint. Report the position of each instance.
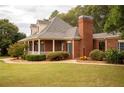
(97, 55)
(35, 57)
(58, 55)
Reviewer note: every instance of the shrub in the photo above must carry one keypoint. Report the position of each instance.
(97, 55)
(58, 55)
(114, 56)
(121, 57)
(23, 56)
(35, 57)
(16, 50)
(111, 56)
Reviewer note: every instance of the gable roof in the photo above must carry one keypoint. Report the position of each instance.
(57, 29)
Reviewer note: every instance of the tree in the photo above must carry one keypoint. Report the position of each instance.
(115, 20)
(16, 50)
(8, 35)
(99, 14)
(72, 15)
(112, 21)
(18, 36)
(106, 18)
(54, 13)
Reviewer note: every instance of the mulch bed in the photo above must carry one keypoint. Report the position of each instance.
(89, 60)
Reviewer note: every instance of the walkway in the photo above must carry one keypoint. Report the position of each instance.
(15, 61)
(19, 61)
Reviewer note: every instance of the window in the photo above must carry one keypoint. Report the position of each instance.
(30, 46)
(69, 48)
(101, 45)
(41, 46)
(35, 45)
(121, 45)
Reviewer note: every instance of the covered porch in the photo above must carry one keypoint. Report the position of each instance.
(105, 43)
(44, 46)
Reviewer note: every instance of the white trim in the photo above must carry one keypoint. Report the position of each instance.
(120, 40)
(69, 42)
(109, 37)
(121, 48)
(53, 45)
(38, 46)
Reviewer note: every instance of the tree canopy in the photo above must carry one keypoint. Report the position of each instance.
(54, 13)
(107, 18)
(8, 35)
(99, 14)
(115, 20)
(111, 23)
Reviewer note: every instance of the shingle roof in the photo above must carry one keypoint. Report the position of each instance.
(105, 35)
(33, 25)
(42, 21)
(57, 29)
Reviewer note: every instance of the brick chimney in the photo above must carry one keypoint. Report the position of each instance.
(85, 28)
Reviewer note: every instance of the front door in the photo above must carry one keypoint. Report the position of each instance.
(69, 48)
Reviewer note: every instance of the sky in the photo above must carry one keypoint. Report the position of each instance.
(23, 16)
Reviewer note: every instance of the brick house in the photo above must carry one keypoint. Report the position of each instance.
(57, 35)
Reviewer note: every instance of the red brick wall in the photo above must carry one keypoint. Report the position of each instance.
(48, 45)
(85, 31)
(76, 48)
(111, 43)
(64, 46)
(58, 45)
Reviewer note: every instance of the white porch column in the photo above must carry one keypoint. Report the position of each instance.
(32, 46)
(53, 45)
(106, 44)
(38, 46)
(62, 46)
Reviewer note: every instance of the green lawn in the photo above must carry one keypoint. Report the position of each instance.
(60, 75)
